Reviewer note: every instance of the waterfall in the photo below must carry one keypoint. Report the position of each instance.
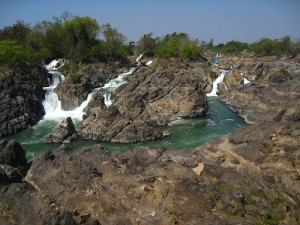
(115, 83)
(219, 79)
(52, 104)
(246, 81)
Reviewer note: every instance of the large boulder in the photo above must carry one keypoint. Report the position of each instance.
(154, 96)
(12, 153)
(21, 98)
(62, 132)
(13, 163)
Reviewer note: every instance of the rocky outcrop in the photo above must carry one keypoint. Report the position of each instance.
(249, 177)
(63, 132)
(272, 95)
(154, 96)
(13, 163)
(21, 97)
(81, 79)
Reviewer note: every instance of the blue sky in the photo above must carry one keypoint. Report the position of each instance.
(223, 20)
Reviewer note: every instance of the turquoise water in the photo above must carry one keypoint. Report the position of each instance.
(186, 133)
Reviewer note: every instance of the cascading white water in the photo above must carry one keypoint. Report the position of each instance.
(219, 79)
(115, 83)
(246, 81)
(52, 104)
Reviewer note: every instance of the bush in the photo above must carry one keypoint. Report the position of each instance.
(267, 47)
(178, 45)
(75, 78)
(11, 53)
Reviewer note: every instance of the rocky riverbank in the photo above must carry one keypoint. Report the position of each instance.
(82, 79)
(21, 97)
(154, 95)
(273, 93)
(250, 177)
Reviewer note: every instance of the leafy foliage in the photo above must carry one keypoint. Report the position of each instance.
(267, 47)
(75, 78)
(70, 37)
(12, 53)
(171, 45)
(77, 38)
(147, 44)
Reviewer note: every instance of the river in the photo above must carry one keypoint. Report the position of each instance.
(186, 133)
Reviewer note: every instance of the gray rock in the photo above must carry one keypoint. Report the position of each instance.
(13, 163)
(62, 132)
(152, 97)
(21, 98)
(274, 97)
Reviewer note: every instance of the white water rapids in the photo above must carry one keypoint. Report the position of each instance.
(52, 104)
(219, 79)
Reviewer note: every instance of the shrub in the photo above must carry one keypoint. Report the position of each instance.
(12, 53)
(75, 78)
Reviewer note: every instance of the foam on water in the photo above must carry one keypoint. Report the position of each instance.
(219, 79)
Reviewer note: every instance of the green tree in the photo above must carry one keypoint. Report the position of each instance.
(267, 47)
(178, 45)
(112, 46)
(82, 29)
(147, 44)
(12, 53)
(17, 32)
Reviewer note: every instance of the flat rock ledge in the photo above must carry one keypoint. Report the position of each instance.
(250, 177)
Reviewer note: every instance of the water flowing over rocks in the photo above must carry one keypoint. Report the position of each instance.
(154, 95)
(63, 132)
(249, 177)
(21, 97)
(273, 93)
(82, 79)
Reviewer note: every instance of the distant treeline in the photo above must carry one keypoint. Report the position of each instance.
(264, 47)
(82, 39)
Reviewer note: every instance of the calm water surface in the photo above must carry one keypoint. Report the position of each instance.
(186, 133)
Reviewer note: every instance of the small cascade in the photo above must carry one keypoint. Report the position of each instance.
(115, 83)
(52, 104)
(148, 63)
(219, 79)
(53, 64)
(246, 81)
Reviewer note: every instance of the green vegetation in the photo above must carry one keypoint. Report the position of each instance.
(171, 45)
(264, 47)
(69, 36)
(75, 78)
(78, 38)
(11, 53)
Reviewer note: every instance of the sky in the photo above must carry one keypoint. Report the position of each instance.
(222, 20)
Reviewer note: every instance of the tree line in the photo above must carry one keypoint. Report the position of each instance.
(78, 38)
(68, 36)
(263, 47)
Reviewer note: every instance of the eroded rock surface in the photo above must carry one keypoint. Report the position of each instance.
(248, 178)
(62, 133)
(13, 163)
(81, 79)
(21, 97)
(273, 93)
(154, 96)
